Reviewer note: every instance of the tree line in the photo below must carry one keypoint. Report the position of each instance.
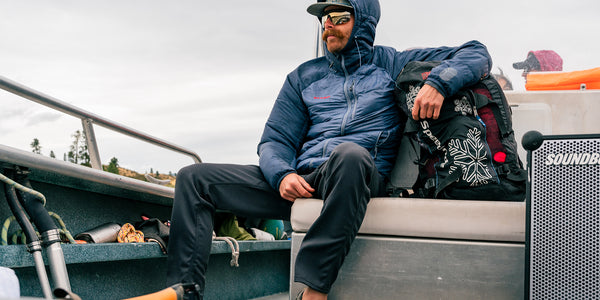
(79, 154)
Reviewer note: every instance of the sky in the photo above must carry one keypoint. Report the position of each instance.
(204, 74)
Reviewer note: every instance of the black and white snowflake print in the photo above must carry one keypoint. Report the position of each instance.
(470, 155)
(463, 106)
(413, 91)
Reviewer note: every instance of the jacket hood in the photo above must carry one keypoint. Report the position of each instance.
(359, 49)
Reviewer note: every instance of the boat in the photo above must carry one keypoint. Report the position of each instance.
(450, 248)
(407, 248)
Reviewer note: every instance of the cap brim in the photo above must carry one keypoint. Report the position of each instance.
(316, 9)
(520, 65)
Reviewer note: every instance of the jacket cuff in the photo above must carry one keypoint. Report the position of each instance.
(437, 87)
(278, 182)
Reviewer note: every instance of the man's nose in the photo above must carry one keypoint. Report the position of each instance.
(328, 23)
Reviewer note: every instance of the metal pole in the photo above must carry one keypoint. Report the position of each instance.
(90, 141)
(57, 166)
(50, 234)
(41, 271)
(56, 259)
(38, 97)
(319, 41)
(34, 246)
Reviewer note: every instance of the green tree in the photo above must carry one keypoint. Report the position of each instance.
(78, 153)
(73, 153)
(52, 154)
(84, 154)
(35, 146)
(113, 166)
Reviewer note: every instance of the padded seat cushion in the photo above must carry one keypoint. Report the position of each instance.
(430, 218)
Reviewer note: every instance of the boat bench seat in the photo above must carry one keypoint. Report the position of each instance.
(412, 248)
(430, 218)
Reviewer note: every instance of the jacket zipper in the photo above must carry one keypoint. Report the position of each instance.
(348, 91)
(325, 148)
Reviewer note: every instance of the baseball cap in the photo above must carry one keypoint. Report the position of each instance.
(316, 9)
(540, 60)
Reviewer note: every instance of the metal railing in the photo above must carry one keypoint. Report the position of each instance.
(88, 119)
(319, 44)
(31, 160)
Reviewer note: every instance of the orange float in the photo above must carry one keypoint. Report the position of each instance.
(544, 81)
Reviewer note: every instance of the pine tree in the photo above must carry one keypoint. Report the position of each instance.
(84, 155)
(72, 155)
(113, 166)
(79, 151)
(35, 146)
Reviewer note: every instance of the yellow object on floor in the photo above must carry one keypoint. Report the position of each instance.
(128, 234)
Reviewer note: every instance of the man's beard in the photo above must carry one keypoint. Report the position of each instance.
(338, 34)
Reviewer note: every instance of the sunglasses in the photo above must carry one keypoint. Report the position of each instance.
(337, 18)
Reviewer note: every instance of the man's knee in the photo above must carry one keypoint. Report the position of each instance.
(193, 173)
(351, 152)
(191, 181)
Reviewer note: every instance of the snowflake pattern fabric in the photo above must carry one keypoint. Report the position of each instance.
(463, 106)
(411, 96)
(471, 155)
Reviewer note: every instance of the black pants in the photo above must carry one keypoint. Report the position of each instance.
(345, 182)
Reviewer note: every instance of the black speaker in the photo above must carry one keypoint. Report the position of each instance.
(563, 217)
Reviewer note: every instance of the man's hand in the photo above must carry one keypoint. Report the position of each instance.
(428, 103)
(293, 186)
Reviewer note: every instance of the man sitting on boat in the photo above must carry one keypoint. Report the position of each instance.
(333, 134)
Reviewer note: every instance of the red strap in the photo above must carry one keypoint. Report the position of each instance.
(492, 132)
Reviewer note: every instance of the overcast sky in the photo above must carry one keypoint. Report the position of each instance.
(204, 74)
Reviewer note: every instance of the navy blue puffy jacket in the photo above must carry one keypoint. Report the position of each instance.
(348, 97)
